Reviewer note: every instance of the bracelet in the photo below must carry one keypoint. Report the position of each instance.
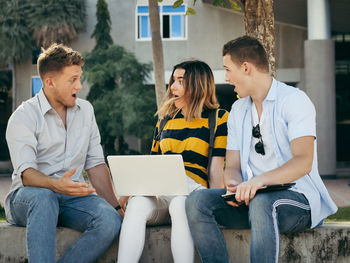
(117, 207)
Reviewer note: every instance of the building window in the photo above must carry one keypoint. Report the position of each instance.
(36, 85)
(172, 22)
(341, 37)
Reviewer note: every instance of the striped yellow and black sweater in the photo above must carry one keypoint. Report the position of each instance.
(191, 140)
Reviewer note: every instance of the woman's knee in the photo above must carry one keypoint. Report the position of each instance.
(140, 209)
(177, 205)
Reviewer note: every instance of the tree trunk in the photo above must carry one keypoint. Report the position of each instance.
(260, 23)
(14, 95)
(157, 50)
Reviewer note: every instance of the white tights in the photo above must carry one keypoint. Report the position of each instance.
(155, 210)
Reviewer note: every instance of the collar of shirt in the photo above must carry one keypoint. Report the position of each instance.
(45, 105)
(272, 94)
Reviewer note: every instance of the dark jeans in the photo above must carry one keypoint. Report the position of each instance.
(268, 214)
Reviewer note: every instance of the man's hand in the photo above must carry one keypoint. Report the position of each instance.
(246, 191)
(66, 186)
(101, 180)
(122, 201)
(231, 189)
(121, 212)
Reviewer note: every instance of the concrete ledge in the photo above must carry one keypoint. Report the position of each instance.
(329, 243)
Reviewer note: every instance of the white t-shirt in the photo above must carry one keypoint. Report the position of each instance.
(258, 163)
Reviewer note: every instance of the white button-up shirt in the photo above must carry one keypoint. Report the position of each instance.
(37, 138)
(291, 115)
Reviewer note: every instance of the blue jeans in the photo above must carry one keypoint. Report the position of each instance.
(41, 210)
(268, 214)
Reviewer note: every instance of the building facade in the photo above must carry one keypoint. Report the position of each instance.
(202, 36)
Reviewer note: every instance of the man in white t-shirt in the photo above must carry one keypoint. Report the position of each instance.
(271, 140)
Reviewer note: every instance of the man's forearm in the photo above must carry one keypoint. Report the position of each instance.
(216, 179)
(100, 179)
(298, 166)
(232, 176)
(64, 185)
(291, 171)
(33, 177)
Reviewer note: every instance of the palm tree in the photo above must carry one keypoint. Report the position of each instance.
(15, 38)
(56, 21)
(46, 21)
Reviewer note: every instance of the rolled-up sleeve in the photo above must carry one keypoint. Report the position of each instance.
(22, 142)
(94, 153)
(300, 114)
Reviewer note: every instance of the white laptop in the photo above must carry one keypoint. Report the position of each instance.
(148, 175)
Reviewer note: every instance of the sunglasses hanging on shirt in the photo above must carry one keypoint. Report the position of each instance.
(259, 146)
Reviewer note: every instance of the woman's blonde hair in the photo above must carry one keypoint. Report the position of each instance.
(199, 86)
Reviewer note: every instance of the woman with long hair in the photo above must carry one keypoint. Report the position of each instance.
(187, 105)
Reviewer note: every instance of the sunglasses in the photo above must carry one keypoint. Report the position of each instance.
(259, 146)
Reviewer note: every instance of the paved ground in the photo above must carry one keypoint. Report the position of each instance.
(5, 183)
(338, 189)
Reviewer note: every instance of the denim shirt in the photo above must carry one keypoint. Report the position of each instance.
(293, 115)
(37, 139)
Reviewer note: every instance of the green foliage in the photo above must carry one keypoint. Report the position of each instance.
(122, 103)
(190, 11)
(54, 13)
(342, 215)
(2, 214)
(46, 21)
(178, 3)
(55, 21)
(220, 3)
(103, 26)
(235, 5)
(16, 42)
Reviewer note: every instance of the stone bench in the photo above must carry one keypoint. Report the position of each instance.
(329, 243)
